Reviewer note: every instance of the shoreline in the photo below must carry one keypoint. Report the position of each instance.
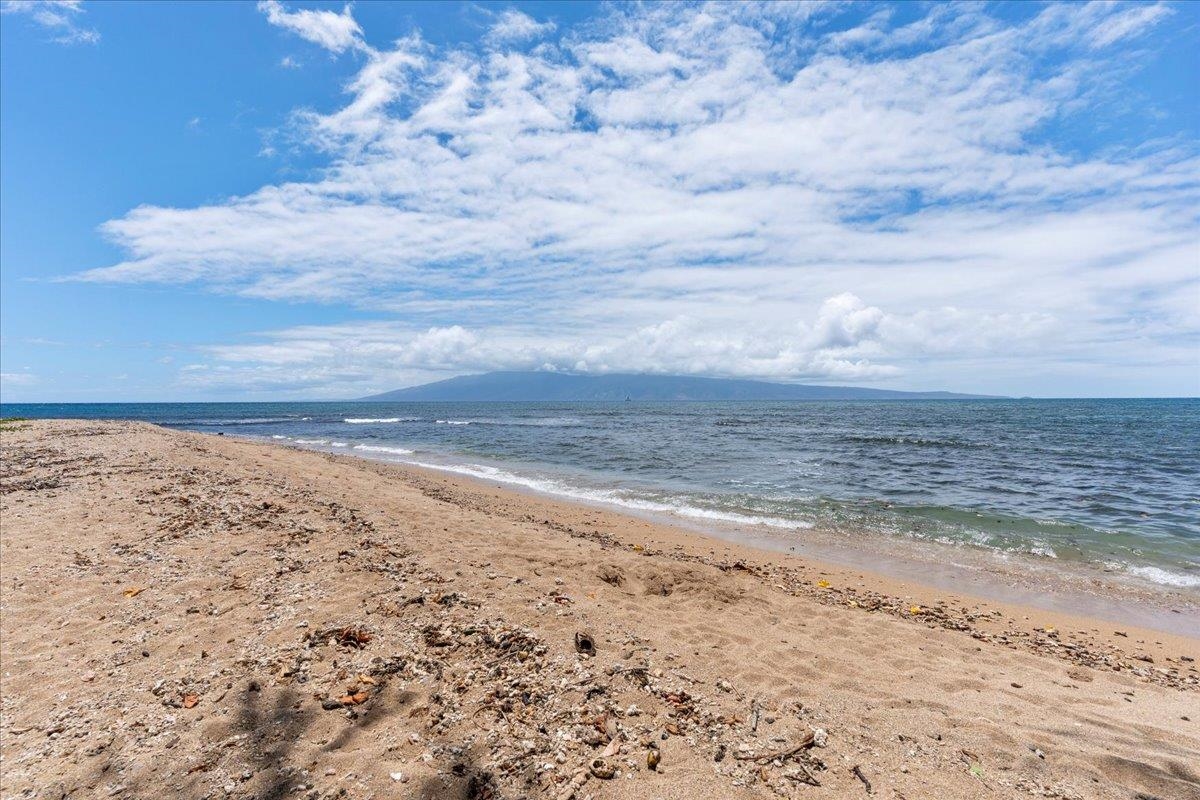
(200, 616)
(670, 536)
(925, 569)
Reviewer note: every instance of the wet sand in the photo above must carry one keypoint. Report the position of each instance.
(198, 616)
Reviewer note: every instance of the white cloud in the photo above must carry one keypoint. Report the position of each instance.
(18, 378)
(335, 32)
(678, 189)
(844, 341)
(1097, 24)
(60, 17)
(513, 26)
(288, 62)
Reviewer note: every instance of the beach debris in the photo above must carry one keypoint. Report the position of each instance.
(653, 758)
(134, 592)
(611, 574)
(190, 700)
(602, 769)
(1081, 675)
(800, 774)
(585, 643)
(806, 741)
(576, 783)
(858, 773)
(349, 636)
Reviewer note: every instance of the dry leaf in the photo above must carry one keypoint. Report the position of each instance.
(133, 592)
(191, 700)
(355, 699)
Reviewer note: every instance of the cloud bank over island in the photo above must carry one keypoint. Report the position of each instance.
(742, 190)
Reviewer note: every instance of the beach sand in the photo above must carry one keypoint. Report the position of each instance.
(197, 616)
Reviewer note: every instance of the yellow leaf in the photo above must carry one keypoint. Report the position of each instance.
(133, 592)
(914, 610)
(824, 584)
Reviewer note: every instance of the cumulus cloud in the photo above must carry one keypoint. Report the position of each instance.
(59, 17)
(715, 188)
(845, 340)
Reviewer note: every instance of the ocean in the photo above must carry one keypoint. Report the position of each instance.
(1107, 484)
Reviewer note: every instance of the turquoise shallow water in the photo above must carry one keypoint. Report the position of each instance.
(1112, 483)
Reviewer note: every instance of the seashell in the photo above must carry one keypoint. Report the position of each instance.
(585, 643)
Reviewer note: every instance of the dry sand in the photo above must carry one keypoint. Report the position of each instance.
(193, 616)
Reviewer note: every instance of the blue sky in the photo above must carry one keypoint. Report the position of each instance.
(311, 200)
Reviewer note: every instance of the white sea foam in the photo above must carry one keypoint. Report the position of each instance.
(1162, 576)
(338, 444)
(277, 436)
(370, 420)
(534, 422)
(226, 422)
(312, 441)
(371, 448)
(614, 498)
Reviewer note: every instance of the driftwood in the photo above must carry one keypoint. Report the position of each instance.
(783, 755)
(858, 773)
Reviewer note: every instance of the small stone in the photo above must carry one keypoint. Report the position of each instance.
(399, 777)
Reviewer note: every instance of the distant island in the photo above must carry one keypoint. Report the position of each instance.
(557, 386)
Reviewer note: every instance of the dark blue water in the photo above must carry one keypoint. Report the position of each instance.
(1107, 482)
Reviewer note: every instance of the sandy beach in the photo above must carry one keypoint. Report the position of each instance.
(199, 616)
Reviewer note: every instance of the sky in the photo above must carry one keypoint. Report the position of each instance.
(274, 200)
